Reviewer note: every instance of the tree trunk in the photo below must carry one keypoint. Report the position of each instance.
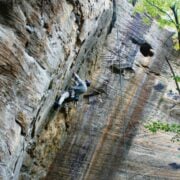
(174, 76)
(179, 39)
(174, 10)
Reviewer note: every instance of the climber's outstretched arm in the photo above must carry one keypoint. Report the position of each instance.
(78, 78)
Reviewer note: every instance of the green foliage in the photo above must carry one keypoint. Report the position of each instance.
(161, 10)
(177, 78)
(157, 125)
(146, 21)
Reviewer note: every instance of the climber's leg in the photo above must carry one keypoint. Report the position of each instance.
(64, 96)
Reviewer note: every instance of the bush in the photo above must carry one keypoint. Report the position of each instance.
(157, 125)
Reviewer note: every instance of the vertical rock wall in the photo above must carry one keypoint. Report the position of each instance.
(103, 137)
(130, 88)
(41, 43)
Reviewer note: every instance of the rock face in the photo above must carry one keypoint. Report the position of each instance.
(103, 136)
(41, 43)
(130, 88)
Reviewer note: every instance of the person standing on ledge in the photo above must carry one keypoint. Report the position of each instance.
(74, 92)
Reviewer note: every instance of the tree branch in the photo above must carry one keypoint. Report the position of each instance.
(173, 8)
(161, 10)
(174, 76)
(171, 68)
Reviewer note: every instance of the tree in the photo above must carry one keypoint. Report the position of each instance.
(166, 12)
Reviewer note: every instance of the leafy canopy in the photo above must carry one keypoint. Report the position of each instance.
(162, 11)
(166, 13)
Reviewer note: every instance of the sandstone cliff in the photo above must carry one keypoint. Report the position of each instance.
(41, 43)
(103, 136)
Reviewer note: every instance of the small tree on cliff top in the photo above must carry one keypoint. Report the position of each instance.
(166, 12)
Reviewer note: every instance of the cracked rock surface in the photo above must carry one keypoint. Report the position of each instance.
(41, 43)
(103, 136)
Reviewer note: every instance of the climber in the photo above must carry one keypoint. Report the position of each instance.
(74, 92)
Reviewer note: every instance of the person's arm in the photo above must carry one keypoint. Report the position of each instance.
(78, 78)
